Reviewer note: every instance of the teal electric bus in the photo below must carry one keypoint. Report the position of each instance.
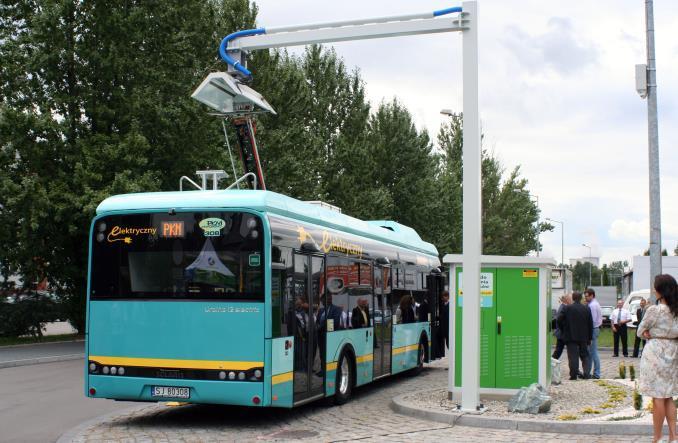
(248, 297)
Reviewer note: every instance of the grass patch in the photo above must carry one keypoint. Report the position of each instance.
(615, 394)
(626, 417)
(590, 410)
(567, 417)
(9, 341)
(606, 339)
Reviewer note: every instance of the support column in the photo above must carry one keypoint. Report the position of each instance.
(472, 216)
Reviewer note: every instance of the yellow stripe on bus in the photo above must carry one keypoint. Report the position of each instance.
(176, 364)
(331, 366)
(402, 349)
(364, 358)
(282, 378)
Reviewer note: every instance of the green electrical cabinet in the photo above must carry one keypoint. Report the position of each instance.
(514, 322)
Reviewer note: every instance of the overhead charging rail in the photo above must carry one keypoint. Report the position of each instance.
(228, 99)
(233, 47)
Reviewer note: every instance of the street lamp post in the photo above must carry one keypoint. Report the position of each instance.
(536, 197)
(562, 240)
(590, 265)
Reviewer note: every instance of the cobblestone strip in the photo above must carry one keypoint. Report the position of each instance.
(366, 418)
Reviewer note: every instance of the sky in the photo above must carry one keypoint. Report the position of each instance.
(557, 98)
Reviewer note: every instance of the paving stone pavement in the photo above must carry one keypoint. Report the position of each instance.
(367, 417)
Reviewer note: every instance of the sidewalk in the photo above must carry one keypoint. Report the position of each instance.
(620, 419)
(21, 355)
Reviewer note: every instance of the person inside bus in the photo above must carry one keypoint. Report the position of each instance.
(360, 316)
(424, 310)
(300, 322)
(329, 314)
(405, 313)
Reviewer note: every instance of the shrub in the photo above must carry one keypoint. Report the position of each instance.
(28, 315)
(622, 370)
(632, 372)
(637, 399)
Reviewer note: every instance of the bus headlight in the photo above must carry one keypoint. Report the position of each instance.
(92, 367)
(114, 370)
(222, 375)
(257, 373)
(105, 370)
(241, 376)
(121, 371)
(231, 375)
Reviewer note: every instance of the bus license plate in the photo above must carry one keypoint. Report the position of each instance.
(170, 392)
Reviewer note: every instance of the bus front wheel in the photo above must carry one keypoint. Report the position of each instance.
(345, 377)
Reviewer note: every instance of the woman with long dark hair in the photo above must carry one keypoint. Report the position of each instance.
(659, 363)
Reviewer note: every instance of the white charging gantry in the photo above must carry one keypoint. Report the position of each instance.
(233, 50)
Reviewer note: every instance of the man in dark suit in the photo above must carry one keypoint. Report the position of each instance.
(639, 317)
(360, 316)
(576, 322)
(445, 321)
(332, 316)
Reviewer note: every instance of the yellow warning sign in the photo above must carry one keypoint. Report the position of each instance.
(530, 273)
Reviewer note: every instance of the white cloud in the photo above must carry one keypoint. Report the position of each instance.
(629, 230)
(558, 48)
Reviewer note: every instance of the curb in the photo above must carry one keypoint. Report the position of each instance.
(74, 432)
(400, 406)
(24, 345)
(35, 361)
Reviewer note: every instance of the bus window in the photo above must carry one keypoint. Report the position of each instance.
(187, 255)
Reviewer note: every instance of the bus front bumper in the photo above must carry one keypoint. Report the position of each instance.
(244, 393)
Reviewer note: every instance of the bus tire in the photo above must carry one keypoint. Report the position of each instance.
(421, 356)
(345, 378)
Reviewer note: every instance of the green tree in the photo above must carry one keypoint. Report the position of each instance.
(324, 110)
(510, 217)
(95, 102)
(404, 168)
(664, 252)
(580, 276)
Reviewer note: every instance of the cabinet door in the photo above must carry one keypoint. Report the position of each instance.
(488, 321)
(518, 340)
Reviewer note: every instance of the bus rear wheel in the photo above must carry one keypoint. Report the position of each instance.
(345, 377)
(421, 357)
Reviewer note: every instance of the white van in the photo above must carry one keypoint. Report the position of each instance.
(632, 303)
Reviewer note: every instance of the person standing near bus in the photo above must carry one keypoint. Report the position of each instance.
(619, 318)
(560, 335)
(577, 325)
(659, 363)
(640, 313)
(597, 316)
(445, 321)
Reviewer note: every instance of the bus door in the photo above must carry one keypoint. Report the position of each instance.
(382, 320)
(308, 370)
(434, 287)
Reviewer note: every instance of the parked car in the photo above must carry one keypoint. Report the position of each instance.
(607, 312)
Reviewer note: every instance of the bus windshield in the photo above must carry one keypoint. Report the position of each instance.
(183, 255)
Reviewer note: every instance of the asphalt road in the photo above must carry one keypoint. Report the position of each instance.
(23, 354)
(38, 403)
